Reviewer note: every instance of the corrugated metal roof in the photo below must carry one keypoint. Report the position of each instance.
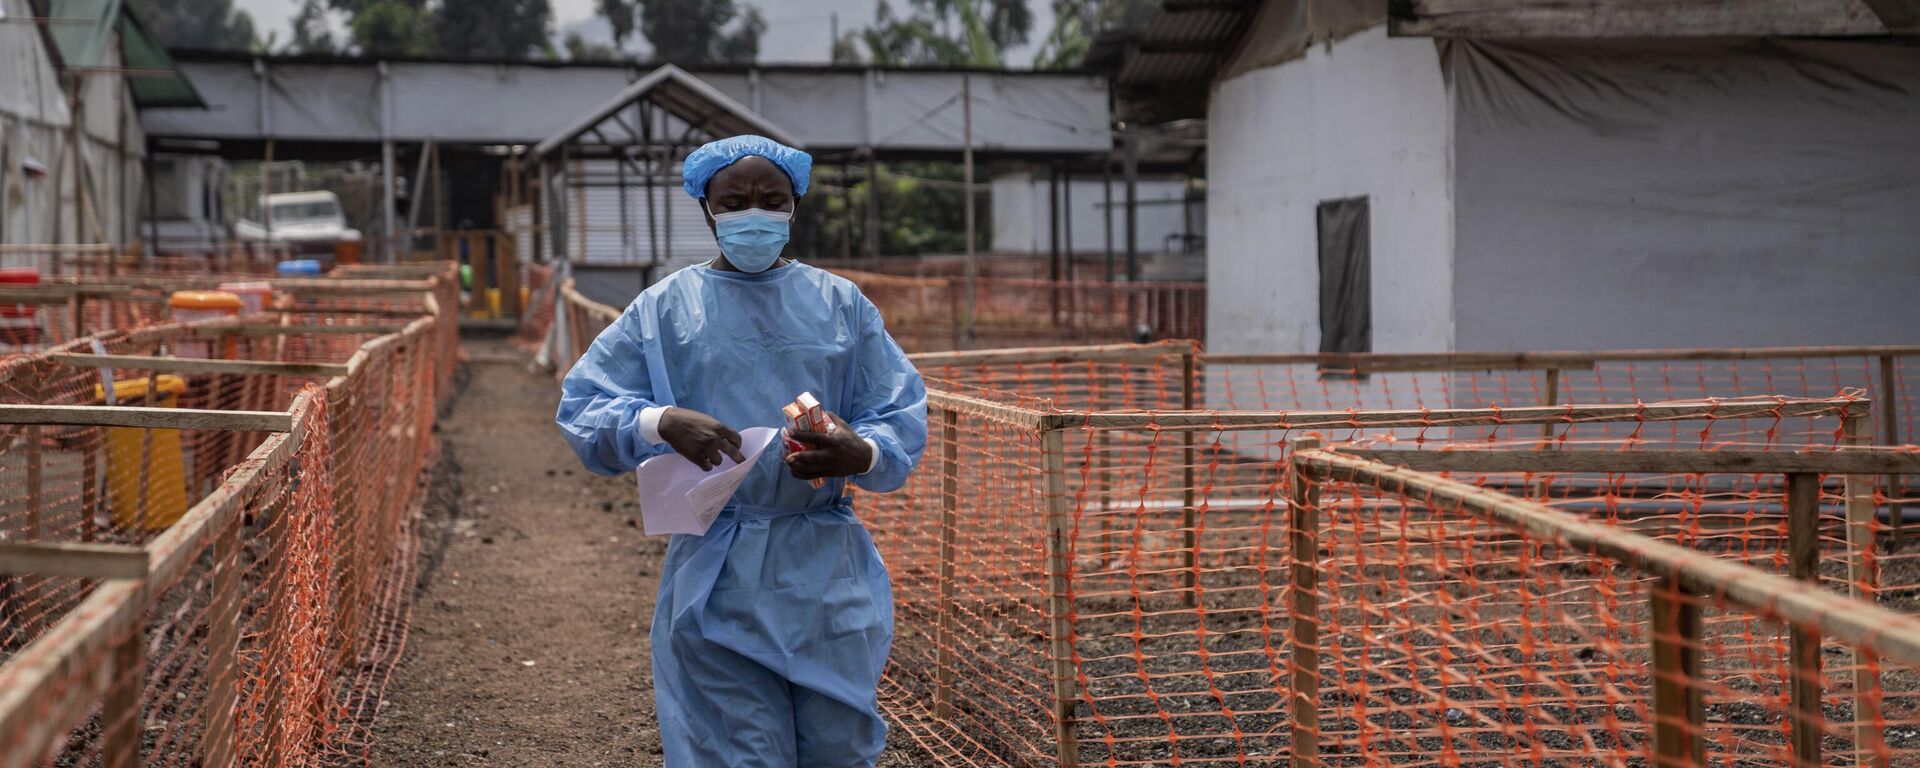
(1185, 42)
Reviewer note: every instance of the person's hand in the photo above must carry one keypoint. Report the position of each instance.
(702, 439)
(839, 453)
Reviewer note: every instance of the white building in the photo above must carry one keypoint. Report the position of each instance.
(49, 193)
(1525, 177)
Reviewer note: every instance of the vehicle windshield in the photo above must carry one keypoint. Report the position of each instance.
(316, 209)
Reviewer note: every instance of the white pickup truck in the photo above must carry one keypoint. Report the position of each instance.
(309, 223)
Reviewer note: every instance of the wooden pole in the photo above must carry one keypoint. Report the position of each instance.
(1803, 643)
(90, 482)
(120, 721)
(1863, 582)
(1679, 715)
(1303, 547)
(966, 161)
(1053, 241)
(1189, 517)
(872, 226)
(1060, 596)
(949, 533)
(1889, 403)
(223, 621)
(30, 586)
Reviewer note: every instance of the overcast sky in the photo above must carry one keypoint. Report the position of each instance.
(796, 31)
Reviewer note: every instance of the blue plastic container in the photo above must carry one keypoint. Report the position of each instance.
(299, 267)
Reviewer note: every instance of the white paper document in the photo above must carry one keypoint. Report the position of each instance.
(677, 497)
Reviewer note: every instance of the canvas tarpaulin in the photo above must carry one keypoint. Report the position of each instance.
(1685, 193)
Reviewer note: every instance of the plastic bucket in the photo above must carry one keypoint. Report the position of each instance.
(130, 457)
(185, 306)
(254, 297)
(19, 323)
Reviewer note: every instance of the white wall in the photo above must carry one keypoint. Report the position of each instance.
(1368, 116)
(1021, 223)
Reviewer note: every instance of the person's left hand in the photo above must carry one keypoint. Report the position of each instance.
(839, 453)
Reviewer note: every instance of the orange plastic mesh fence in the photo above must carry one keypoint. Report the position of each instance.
(1454, 625)
(1176, 375)
(537, 318)
(1112, 581)
(280, 567)
(582, 321)
(928, 314)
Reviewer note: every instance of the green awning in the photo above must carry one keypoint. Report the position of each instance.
(152, 77)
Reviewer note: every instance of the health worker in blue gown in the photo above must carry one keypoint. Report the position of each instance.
(772, 629)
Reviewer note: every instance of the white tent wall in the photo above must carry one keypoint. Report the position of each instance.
(1022, 222)
(1367, 115)
(34, 126)
(594, 223)
(1686, 193)
(35, 123)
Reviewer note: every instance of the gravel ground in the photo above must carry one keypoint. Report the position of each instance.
(529, 643)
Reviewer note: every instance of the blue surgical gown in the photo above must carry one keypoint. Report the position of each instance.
(772, 629)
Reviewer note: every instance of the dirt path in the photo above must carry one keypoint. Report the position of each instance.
(529, 643)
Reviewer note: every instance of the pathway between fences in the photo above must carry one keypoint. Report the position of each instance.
(529, 641)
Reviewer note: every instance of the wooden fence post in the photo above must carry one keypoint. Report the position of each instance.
(1678, 711)
(1303, 550)
(120, 721)
(1888, 401)
(509, 274)
(223, 619)
(1803, 563)
(949, 530)
(1189, 517)
(1060, 595)
(1863, 583)
(30, 586)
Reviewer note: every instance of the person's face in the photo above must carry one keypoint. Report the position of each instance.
(751, 182)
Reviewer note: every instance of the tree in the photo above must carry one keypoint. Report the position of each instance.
(578, 49)
(493, 29)
(391, 27)
(310, 31)
(945, 33)
(1077, 22)
(689, 32)
(198, 24)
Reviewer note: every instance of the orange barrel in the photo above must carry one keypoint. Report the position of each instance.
(185, 306)
(132, 459)
(19, 323)
(346, 252)
(254, 296)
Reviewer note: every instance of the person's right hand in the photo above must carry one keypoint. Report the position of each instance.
(702, 439)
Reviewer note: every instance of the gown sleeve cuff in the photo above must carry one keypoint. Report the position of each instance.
(875, 461)
(650, 424)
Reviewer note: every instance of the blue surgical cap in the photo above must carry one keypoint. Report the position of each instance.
(714, 156)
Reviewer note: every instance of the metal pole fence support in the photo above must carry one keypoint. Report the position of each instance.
(1060, 595)
(1303, 551)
